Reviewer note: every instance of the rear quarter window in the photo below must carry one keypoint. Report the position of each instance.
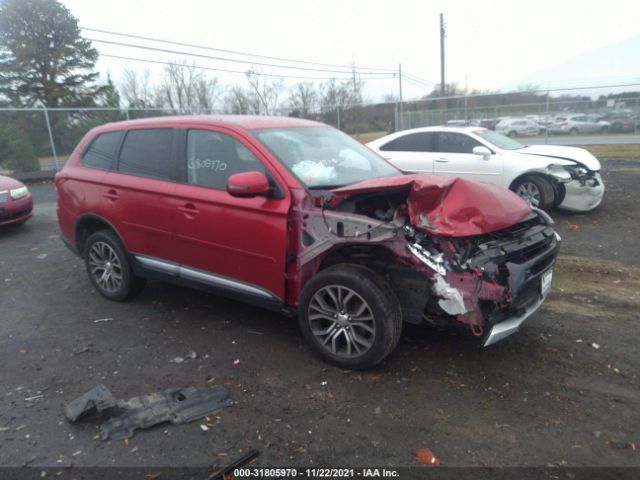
(101, 153)
(147, 153)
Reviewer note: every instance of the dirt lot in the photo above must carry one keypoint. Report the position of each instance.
(562, 391)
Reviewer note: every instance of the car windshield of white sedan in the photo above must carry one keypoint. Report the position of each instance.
(499, 140)
(322, 157)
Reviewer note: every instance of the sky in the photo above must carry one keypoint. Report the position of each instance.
(489, 44)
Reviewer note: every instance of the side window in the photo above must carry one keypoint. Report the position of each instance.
(102, 151)
(413, 142)
(456, 143)
(213, 157)
(147, 153)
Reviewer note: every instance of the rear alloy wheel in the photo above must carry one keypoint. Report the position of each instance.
(108, 267)
(350, 316)
(537, 191)
(513, 134)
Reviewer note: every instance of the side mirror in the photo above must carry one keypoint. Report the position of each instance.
(248, 184)
(484, 152)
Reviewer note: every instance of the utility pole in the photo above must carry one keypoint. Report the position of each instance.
(442, 89)
(400, 119)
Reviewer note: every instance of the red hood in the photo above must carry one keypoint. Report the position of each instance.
(449, 206)
(8, 183)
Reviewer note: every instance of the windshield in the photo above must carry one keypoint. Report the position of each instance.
(499, 140)
(322, 157)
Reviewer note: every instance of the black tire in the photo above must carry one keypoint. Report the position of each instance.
(604, 130)
(573, 131)
(512, 134)
(369, 288)
(560, 192)
(546, 193)
(129, 285)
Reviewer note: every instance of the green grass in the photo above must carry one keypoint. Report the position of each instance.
(617, 152)
(368, 137)
(47, 162)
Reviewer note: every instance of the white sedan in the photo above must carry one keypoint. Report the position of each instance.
(547, 176)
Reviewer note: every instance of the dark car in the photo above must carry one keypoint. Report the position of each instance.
(624, 123)
(298, 217)
(16, 204)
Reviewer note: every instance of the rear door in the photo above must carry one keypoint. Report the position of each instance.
(229, 242)
(455, 157)
(138, 193)
(412, 152)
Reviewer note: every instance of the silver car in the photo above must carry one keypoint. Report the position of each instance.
(579, 123)
(518, 127)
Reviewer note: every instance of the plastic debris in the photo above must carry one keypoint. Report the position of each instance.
(236, 361)
(102, 320)
(175, 405)
(595, 345)
(426, 456)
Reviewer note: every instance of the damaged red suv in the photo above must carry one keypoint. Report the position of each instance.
(298, 217)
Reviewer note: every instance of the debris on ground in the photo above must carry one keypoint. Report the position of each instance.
(103, 320)
(225, 472)
(175, 405)
(426, 456)
(595, 345)
(236, 362)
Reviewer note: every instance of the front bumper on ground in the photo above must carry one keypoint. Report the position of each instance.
(16, 211)
(582, 198)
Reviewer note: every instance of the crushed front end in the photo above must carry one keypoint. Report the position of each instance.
(454, 252)
(491, 282)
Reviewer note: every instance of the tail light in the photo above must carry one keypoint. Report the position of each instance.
(565, 124)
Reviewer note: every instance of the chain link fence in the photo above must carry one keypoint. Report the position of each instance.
(41, 139)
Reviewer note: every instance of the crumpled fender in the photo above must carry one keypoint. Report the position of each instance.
(448, 206)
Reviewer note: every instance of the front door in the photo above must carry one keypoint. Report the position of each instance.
(454, 156)
(229, 242)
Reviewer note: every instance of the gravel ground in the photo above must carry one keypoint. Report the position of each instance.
(563, 391)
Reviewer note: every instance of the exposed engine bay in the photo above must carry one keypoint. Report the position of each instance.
(479, 279)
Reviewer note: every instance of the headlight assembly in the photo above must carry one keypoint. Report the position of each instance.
(18, 193)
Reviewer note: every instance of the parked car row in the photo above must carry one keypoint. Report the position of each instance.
(565, 124)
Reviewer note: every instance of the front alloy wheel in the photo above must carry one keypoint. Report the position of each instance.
(341, 321)
(536, 190)
(350, 316)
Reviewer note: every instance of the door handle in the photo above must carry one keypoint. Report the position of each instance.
(442, 160)
(112, 195)
(189, 209)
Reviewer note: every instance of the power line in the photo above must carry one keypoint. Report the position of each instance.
(211, 57)
(418, 79)
(234, 52)
(416, 83)
(121, 57)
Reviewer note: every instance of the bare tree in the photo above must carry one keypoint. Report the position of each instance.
(266, 92)
(303, 98)
(238, 101)
(136, 90)
(185, 89)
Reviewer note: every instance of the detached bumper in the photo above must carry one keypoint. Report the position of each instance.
(508, 327)
(582, 198)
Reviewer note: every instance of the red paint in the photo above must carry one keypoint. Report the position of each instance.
(14, 211)
(450, 206)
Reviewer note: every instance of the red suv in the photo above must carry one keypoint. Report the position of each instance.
(298, 217)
